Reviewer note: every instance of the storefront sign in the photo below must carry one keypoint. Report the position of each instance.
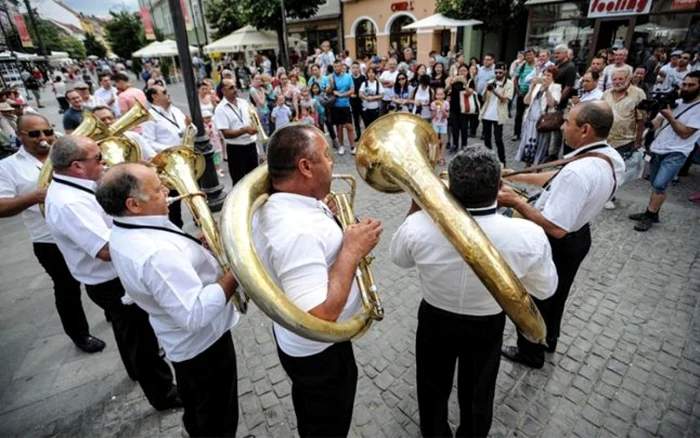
(615, 8)
(147, 24)
(22, 31)
(685, 5)
(402, 6)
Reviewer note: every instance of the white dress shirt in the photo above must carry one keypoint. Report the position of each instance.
(166, 129)
(388, 75)
(105, 95)
(228, 116)
(298, 240)
(174, 279)
(80, 228)
(594, 94)
(580, 190)
(147, 150)
(19, 175)
(449, 283)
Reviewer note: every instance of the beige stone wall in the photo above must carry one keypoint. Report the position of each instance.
(380, 13)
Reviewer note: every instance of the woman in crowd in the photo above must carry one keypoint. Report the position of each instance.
(438, 77)
(543, 97)
(473, 118)
(454, 68)
(422, 96)
(461, 92)
(421, 70)
(371, 93)
(207, 107)
(287, 90)
(320, 109)
(258, 96)
(402, 94)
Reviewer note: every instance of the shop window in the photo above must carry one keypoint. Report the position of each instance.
(668, 30)
(314, 38)
(366, 39)
(400, 38)
(577, 34)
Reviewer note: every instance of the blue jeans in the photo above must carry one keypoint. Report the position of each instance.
(663, 168)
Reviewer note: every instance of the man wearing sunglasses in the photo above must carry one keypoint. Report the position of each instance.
(19, 194)
(81, 230)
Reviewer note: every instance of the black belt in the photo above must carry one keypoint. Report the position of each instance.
(151, 227)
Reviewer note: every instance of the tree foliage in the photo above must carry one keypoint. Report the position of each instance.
(224, 16)
(74, 47)
(496, 14)
(54, 41)
(124, 33)
(94, 47)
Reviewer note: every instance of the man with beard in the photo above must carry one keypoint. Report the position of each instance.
(677, 131)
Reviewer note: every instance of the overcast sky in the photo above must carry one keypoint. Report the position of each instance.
(101, 8)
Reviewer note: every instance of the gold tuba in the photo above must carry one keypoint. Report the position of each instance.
(245, 197)
(179, 168)
(392, 156)
(95, 129)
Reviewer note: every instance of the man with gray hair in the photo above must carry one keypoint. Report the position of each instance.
(458, 319)
(182, 288)
(571, 198)
(619, 64)
(81, 229)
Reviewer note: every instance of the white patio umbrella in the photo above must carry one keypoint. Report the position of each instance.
(246, 38)
(146, 52)
(440, 21)
(169, 48)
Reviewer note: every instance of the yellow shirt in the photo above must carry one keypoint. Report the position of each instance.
(624, 128)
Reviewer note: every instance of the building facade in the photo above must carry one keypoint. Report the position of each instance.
(589, 26)
(325, 25)
(376, 26)
(163, 21)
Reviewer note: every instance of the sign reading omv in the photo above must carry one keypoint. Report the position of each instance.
(615, 8)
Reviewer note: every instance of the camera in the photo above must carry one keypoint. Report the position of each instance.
(575, 92)
(659, 100)
(490, 86)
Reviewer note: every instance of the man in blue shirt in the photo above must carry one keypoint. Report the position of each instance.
(521, 81)
(341, 85)
(74, 114)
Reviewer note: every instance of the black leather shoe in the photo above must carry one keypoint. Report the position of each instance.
(513, 354)
(89, 344)
(644, 224)
(551, 346)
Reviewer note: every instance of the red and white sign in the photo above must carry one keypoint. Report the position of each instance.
(147, 24)
(186, 15)
(616, 8)
(22, 31)
(685, 5)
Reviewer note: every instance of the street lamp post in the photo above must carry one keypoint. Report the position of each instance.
(209, 182)
(285, 42)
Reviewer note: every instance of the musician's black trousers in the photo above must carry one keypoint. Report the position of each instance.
(208, 385)
(323, 390)
(136, 342)
(568, 254)
(442, 339)
(66, 290)
(241, 160)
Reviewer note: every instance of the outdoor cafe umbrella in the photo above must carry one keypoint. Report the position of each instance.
(440, 21)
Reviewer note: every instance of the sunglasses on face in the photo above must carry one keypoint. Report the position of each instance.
(37, 133)
(97, 157)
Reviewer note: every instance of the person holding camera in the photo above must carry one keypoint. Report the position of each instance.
(589, 88)
(494, 110)
(676, 132)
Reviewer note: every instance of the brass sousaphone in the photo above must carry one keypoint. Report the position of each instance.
(392, 157)
(236, 229)
(115, 148)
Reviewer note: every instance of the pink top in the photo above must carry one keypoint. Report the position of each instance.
(126, 99)
(441, 114)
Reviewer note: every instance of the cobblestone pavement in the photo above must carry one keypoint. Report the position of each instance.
(628, 362)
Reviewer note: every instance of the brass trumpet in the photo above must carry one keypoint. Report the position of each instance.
(255, 120)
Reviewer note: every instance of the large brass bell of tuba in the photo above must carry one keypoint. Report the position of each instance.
(95, 129)
(236, 220)
(179, 168)
(392, 156)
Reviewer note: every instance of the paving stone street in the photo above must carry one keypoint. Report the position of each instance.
(627, 364)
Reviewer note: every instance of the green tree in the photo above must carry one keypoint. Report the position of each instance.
(496, 14)
(224, 16)
(124, 33)
(94, 47)
(74, 47)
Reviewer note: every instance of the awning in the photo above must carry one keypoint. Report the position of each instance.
(246, 38)
(158, 49)
(541, 2)
(440, 21)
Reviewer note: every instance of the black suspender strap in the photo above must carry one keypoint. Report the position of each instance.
(74, 185)
(150, 227)
(173, 122)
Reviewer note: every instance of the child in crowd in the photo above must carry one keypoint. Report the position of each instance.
(440, 112)
(306, 117)
(281, 114)
(320, 110)
(306, 101)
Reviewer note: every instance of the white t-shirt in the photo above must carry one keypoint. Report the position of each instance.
(581, 189)
(491, 110)
(371, 89)
(298, 240)
(19, 175)
(226, 116)
(449, 283)
(668, 141)
(388, 76)
(594, 94)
